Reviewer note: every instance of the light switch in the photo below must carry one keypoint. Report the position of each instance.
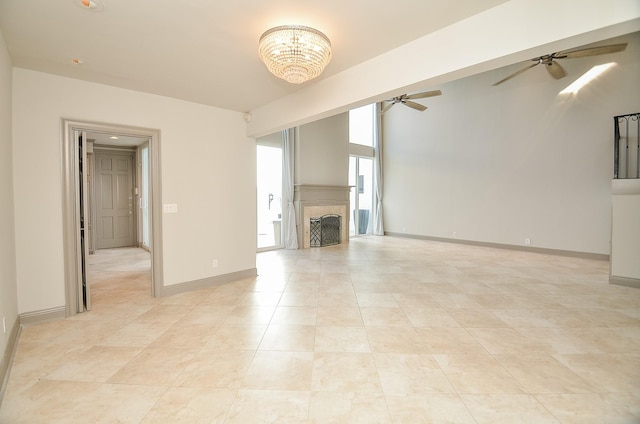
(170, 208)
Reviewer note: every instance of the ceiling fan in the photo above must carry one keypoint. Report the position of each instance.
(554, 68)
(406, 100)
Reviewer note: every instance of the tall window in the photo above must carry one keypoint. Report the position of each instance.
(361, 138)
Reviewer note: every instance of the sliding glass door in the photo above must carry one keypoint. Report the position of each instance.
(269, 192)
(361, 199)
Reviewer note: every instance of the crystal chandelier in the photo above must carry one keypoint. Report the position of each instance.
(295, 53)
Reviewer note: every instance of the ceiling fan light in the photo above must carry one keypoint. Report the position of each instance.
(295, 53)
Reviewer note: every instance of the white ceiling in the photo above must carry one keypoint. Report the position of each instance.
(205, 51)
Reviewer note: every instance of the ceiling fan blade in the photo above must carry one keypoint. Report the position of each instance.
(515, 74)
(423, 95)
(592, 51)
(555, 70)
(387, 107)
(414, 105)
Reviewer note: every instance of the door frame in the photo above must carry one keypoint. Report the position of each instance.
(71, 209)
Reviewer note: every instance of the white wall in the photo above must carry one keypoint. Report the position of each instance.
(8, 290)
(208, 170)
(498, 164)
(322, 152)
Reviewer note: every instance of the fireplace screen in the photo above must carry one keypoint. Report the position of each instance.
(326, 230)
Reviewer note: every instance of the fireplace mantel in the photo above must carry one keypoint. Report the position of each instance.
(313, 201)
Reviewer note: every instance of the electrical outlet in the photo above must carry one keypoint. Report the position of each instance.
(455, 234)
(527, 241)
(404, 230)
(214, 263)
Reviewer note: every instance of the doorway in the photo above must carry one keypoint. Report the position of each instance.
(269, 193)
(78, 142)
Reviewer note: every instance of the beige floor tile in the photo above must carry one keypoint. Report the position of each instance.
(410, 374)
(206, 314)
(377, 300)
(221, 369)
(191, 405)
(224, 298)
(341, 339)
(430, 317)
(250, 315)
(298, 338)
(261, 299)
(621, 373)
(155, 366)
(544, 374)
(395, 340)
(345, 372)
(414, 300)
(189, 298)
(271, 370)
(384, 317)
(435, 408)
(448, 340)
(165, 313)
(348, 408)
(476, 318)
(478, 374)
(45, 401)
(508, 341)
(269, 407)
(118, 403)
(300, 315)
(619, 408)
(299, 299)
(184, 335)
(96, 363)
(236, 337)
(339, 316)
(491, 324)
(492, 409)
(137, 334)
(337, 299)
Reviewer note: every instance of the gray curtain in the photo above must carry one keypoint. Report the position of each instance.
(378, 228)
(288, 146)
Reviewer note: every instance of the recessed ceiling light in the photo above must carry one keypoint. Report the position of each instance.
(113, 137)
(92, 5)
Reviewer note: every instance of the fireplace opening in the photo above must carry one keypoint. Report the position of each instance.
(326, 230)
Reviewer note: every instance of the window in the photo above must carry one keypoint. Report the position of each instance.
(361, 138)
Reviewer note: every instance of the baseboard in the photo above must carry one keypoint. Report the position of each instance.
(7, 358)
(556, 252)
(208, 282)
(43, 315)
(625, 281)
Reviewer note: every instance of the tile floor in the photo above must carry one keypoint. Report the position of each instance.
(381, 330)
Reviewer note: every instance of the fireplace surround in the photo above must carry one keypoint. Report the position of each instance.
(313, 201)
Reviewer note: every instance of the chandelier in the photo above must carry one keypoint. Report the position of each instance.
(295, 53)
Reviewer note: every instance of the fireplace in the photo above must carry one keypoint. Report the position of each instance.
(318, 201)
(325, 230)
